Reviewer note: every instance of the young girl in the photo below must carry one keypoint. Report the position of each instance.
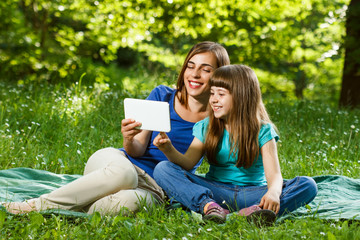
(239, 141)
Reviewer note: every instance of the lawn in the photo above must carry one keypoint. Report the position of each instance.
(57, 127)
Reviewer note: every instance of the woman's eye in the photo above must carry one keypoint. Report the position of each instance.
(206, 70)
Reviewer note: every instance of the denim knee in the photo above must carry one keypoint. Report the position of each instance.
(309, 187)
(163, 169)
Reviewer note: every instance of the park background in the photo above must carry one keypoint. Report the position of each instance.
(66, 66)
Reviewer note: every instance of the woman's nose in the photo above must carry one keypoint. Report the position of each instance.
(196, 73)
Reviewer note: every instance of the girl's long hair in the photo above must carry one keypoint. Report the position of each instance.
(246, 116)
(222, 58)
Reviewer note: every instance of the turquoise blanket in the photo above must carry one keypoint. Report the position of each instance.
(338, 196)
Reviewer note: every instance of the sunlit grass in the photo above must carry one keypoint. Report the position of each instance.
(56, 128)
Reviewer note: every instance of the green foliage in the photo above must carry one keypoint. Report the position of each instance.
(173, 224)
(299, 42)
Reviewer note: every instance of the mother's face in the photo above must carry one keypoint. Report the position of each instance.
(197, 74)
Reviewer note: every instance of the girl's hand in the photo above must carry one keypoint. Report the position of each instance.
(162, 141)
(129, 129)
(270, 201)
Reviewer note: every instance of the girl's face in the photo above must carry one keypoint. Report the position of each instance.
(221, 102)
(197, 74)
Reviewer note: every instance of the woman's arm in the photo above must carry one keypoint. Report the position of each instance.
(135, 141)
(271, 200)
(187, 160)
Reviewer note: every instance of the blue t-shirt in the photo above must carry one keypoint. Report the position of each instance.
(180, 134)
(225, 170)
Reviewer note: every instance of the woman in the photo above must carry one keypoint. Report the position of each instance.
(116, 179)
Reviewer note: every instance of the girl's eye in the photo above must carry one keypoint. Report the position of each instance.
(190, 66)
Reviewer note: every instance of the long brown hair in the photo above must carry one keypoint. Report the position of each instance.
(222, 58)
(245, 118)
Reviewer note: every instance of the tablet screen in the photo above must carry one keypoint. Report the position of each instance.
(153, 115)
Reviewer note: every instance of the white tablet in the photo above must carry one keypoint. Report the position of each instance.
(153, 115)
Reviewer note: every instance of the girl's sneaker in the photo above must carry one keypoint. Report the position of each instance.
(259, 216)
(213, 212)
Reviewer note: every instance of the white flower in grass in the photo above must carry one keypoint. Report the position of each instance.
(352, 126)
(322, 233)
(199, 230)
(79, 143)
(300, 141)
(78, 151)
(184, 238)
(209, 229)
(66, 145)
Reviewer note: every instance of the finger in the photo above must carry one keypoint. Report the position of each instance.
(261, 204)
(157, 138)
(266, 206)
(163, 135)
(277, 209)
(272, 207)
(127, 121)
(132, 126)
(133, 132)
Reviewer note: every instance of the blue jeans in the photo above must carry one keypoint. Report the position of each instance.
(194, 191)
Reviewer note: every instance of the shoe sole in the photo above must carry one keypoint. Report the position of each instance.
(262, 217)
(213, 218)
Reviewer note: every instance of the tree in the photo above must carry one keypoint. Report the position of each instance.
(297, 41)
(350, 91)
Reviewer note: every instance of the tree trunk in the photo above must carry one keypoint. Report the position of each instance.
(350, 89)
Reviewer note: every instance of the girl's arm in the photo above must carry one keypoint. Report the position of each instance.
(135, 141)
(187, 160)
(271, 200)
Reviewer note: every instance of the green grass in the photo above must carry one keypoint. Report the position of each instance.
(56, 128)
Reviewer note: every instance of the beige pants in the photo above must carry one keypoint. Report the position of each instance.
(111, 184)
